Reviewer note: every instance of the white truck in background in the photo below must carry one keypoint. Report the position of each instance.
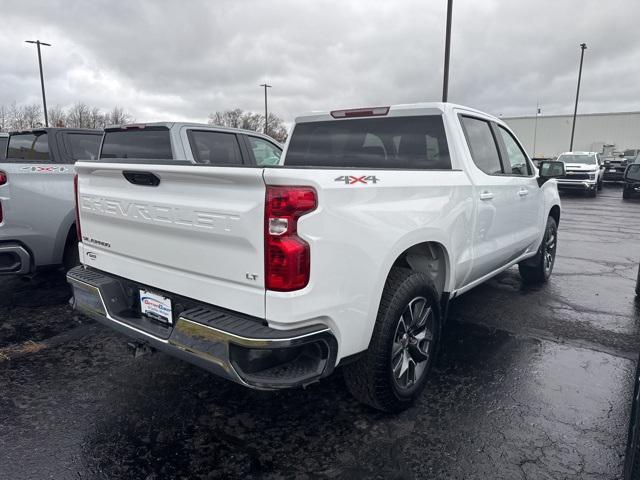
(345, 253)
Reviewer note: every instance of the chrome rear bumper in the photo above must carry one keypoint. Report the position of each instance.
(229, 344)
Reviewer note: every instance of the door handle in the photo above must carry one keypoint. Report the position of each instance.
(486, 196)
(523, 193)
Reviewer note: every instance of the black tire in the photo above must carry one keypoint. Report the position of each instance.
(538, 269)
(372, 378)
(626, 194)
(600, 185)
(592, 193)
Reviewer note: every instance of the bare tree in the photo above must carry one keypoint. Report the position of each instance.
(16, 120)
(57, 116)
(4, 119)
(118, 116)
(228, 118)
(78, 116)
(33, 115)
(96, 118)
(277, 129)
(238, 118)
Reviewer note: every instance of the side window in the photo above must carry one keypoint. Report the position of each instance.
(482, 145)
(28, 146)
(215, 148)
(265, 153)
(82, 146)
(517, 158)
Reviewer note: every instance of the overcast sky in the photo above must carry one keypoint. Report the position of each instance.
(170, 60)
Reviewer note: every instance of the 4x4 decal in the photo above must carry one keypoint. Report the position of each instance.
(45, 169)
(352, 179)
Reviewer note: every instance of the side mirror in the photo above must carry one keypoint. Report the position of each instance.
(550, 169)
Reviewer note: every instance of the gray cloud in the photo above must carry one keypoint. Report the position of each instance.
(166, 60)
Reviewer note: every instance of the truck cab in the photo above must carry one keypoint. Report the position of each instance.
(195, 143)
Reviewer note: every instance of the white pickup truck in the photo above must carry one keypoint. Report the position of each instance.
(346, 253)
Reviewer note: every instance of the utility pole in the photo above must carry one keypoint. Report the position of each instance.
(535, 127)
(44, 98)
(266, 113)
(447, 51)
(583, 47)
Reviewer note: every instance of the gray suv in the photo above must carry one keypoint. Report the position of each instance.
(37, 205)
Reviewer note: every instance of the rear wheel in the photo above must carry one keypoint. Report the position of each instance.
(393, 371)
(538, 269)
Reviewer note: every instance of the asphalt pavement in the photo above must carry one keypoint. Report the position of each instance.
(531, 383)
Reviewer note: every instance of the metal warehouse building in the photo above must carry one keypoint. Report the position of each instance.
(552, 133)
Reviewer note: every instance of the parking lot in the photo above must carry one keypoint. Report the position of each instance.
(530, 383)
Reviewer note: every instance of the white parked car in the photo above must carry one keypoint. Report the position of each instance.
(584, 171)
(346, 253)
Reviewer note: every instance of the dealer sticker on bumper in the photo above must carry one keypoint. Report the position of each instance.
(155, 306)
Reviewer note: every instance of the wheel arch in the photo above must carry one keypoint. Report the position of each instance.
(67, 228)
(555, 213)
(428, 257)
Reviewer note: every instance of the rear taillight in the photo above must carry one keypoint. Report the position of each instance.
(75, 189)
(287, 256)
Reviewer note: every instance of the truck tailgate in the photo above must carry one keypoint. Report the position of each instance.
(197, 233)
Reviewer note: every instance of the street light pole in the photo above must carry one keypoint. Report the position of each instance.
(266, 113)
(583, 47)
(535, 128)
(447, 51)
(44, 98)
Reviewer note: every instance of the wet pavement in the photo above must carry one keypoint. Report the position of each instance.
(530, 384)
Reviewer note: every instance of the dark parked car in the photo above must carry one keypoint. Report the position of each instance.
(631, 181)
(614, 167)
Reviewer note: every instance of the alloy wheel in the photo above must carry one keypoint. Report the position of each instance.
(412, 343)
(549, 248)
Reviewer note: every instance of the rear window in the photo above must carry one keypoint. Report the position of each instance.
(144, 143)
(83, 146)
(28, 146)
(3, 147)
(390, 142)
